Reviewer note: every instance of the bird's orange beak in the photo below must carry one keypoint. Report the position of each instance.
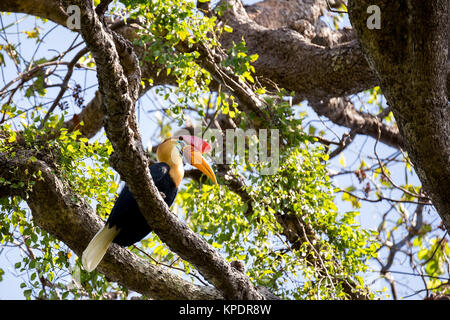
(193, 155)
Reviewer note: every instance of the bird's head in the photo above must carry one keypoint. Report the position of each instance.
(188, 148)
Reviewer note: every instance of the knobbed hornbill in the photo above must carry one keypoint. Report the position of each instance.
(126, 225)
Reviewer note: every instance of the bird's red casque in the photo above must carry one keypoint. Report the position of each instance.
(198, 143)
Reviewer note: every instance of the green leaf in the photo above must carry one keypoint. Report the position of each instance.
(228, 29)
(216, 245)
(422, 254)
(70, 148)
(12, 137)
(27, 293)
(342, 160)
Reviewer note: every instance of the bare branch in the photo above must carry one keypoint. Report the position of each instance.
(64, 85)
(342, 112)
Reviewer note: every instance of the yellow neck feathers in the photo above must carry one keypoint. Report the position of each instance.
(168, 153)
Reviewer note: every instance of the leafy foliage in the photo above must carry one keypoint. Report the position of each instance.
(51, 270)
(299, 191)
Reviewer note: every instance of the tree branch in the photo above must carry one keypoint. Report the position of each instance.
(329, 72)
(62, 213)
(115, 70)
(341, 111)
(410, 55)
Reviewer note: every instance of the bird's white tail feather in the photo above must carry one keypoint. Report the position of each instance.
(96, 249)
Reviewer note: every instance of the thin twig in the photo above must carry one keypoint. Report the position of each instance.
(386, 175)
(345, 141)
(168, 266)
(64, 86)
(333, 10)
(435, 250)
(381, 198)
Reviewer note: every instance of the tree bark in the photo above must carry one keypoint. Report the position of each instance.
(409, 54)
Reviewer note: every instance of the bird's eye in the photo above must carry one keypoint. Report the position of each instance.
(180, 145)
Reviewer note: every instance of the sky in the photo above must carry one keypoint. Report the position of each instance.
(59, 38)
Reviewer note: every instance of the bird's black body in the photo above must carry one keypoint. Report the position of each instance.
(126, 215)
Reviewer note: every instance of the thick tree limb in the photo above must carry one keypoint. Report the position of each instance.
(52, 10)
(115, 70)
(295, 64)
(410, 56)
(301, 16)
(91, 116)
